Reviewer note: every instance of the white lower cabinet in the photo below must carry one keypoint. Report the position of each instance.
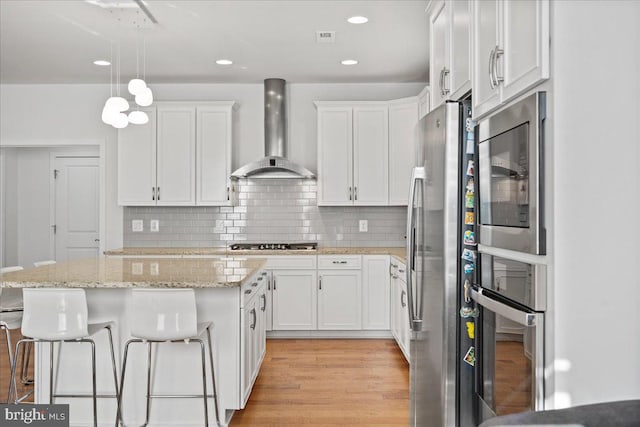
(294, 297)
(399, 308)
(339, 299)
(253, 340)
(376, 288)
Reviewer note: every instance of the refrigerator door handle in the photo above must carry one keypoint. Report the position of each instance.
(515, 315)
(418, 174)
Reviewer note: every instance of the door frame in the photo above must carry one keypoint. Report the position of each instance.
(71, 143)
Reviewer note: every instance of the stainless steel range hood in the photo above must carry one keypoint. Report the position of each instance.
(275, 163)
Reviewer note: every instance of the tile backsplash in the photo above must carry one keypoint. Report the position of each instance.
(268, 210)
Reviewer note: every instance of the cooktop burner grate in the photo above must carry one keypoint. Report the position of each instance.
(307, 246)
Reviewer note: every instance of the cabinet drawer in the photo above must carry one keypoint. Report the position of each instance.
(340, 262)
(251, 288)
(285, 262)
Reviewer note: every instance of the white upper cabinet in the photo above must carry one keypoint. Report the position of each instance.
(449, 67)
(137, 163)
(176, 156)
(510, 50)
(213, 155)
(403, 133)
(370, 155)
(335, 154)
(439, 69)
(181, 157)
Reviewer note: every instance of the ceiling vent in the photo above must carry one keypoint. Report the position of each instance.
(325, 36)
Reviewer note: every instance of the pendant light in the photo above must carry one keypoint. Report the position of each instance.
(144, 98)
(137, 85)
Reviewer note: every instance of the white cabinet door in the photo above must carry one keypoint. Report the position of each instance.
(261, 341)
(249, 318)
(439, 65)
(424, 102)
(394, 307)
(405, 335)
(403, 136)
(137, 163)
(335, 156)
(370, 155)
(176, 155)
(213, 155)
(485, 41)
(340, 299)
(525, 41)
(294, 297)
(375, 292)
(460, 52)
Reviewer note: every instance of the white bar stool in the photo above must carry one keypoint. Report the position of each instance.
(11, 319)
(168, 315)
(60, 315)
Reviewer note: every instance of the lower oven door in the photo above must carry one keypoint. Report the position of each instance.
(509, 350)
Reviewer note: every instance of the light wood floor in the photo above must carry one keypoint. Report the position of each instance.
(329, 382)
(5, 368)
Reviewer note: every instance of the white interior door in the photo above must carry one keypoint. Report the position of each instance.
(77, 214)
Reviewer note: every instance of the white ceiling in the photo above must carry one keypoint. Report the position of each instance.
(57, 41)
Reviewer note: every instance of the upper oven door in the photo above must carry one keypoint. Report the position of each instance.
(510, 179)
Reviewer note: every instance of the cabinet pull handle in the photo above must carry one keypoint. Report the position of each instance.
(158, 193)
(254, 284)
(339, 262)
(497, 78)
(247, 292)
(268, 284)
(228, 196)
(400, 271)
(402, 295)
(320, 281)
(355, 193)
(445, 73)
(260, 278)
(274, 283)
(491, 65)
(350, 197)
(440, 83)
(153, 193)
(255, 318)
(264, 302)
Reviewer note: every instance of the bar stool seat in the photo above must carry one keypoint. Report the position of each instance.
(168, 316)
(61, 315)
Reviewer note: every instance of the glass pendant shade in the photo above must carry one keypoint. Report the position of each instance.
(117, 103)
(136, 86)
(138, 117)
(144, 98)
(120, 121)
(108, 114)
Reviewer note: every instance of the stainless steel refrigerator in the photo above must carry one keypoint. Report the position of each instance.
(441, 386)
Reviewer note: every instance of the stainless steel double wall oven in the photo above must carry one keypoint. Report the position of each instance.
(511, 291)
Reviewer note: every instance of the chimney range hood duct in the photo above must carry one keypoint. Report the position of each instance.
(275, 163)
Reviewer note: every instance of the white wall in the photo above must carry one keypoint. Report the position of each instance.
(9, 209)
(596, 171)
(72, 112)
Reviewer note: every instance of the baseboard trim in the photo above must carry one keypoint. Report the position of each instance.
(330, 334)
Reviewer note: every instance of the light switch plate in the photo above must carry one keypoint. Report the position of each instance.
(364, 225)
(137, 225)
(154, 225)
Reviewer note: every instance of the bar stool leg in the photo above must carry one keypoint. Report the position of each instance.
(213, 376)
(149, 353)
(113, 366)
(204, 383)
(124, 369)
(15, 387)
(95, 391)
(24, 375)
(51, 347)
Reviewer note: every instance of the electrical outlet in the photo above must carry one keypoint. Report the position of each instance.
(137, 225)
(364, 225)
(154, 268)
(154, 225)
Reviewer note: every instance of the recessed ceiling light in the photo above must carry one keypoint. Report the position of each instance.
(358, 20)
(224, 62)
(349, 62)
(102, 62)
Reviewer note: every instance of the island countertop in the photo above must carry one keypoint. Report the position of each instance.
(116, 272)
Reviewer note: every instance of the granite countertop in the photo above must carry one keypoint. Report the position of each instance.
(399, 253)
(114, 272)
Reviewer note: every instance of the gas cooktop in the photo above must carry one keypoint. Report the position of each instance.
(307, 246)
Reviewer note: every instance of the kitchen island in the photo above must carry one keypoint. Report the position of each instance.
(228, 291)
